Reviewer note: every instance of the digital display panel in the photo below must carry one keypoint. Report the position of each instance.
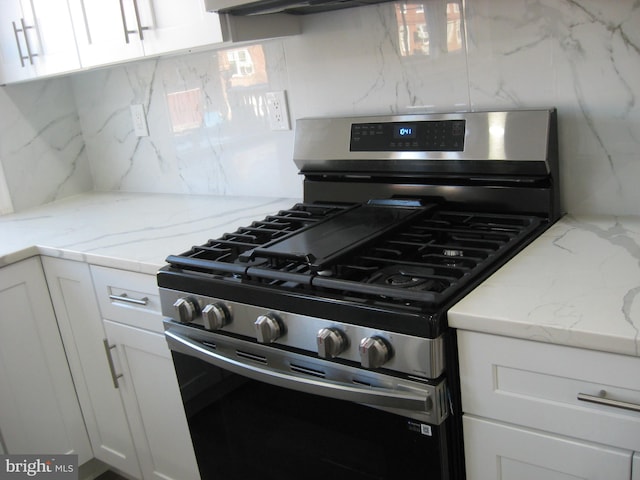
(404, 131)
(420, 136)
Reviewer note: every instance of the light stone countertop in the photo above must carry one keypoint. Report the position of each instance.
(578, 284)
(127, 231)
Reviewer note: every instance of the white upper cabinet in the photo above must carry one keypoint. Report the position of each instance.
(118, 30)
(53, 37)
(106, 31)
(36, 39)
(15, 63)
(47, 37)
(177, 25)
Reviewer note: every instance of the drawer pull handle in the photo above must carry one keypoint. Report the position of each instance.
(601, 399)
(112, 368)
(125, 298)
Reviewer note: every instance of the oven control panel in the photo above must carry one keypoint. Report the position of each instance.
(427, 136)
(327, 339)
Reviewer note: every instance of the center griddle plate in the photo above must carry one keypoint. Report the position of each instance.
(321, 244)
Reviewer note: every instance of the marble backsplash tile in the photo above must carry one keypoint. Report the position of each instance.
(209, 134)
(208, 130)
(42, 151)
(582, 57)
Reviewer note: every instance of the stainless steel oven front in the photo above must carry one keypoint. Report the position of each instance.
(256, 411)
(314, 343)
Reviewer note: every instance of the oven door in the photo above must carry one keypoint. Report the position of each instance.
(249, 418)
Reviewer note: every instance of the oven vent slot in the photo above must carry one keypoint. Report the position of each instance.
(307, 371)
(251, 356)
(210, 345)
(362, 383)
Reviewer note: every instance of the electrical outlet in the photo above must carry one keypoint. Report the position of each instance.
(278, 111)
(139, 121)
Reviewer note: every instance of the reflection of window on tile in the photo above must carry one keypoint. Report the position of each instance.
(454, 27)
(244, 79)
(243, 67)
(240, 61)
(430, 27)
(185, 109)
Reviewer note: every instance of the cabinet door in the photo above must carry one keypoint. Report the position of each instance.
(106, 32)
(39, 410)
(15, 63)
(83, 334)
(506, 452)
(508, 378)
(174, 26)
(36, 39)
(635, 470)
(153, 403)
(52, 37)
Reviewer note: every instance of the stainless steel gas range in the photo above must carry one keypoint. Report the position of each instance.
(314, 343)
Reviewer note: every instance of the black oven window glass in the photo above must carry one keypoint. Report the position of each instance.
(243, 429)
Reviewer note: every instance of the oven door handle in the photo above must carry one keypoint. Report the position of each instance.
(417, 401)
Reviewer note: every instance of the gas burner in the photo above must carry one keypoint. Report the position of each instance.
(412, 278)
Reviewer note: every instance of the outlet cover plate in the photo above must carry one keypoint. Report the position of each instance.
(278, 110)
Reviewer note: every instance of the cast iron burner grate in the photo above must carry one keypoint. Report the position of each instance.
(221, 253)
(428, 259)
(432, 259)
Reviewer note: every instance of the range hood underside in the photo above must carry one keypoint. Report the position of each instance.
(294, 7)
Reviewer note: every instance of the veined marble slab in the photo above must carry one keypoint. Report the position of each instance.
(578, 284)
(127, 231)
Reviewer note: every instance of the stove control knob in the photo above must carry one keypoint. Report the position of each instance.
(374, 352)
(331, 342)
(215, 316)
(187, 309)
(269, 328)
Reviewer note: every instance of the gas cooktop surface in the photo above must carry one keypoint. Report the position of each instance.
(404, 252)
(402, 216)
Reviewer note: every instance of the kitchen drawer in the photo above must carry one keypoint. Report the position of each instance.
(128, 297)
(537, 385)
(500, 451)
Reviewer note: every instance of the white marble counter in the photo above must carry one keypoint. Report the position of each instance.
(128, 231)
(578, 285)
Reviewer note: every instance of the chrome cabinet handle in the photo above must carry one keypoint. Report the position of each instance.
(140, 28)
(125, 298)
(112, 368)
(601, 399)
(16, 31)
(26, 41)
(23, 30)
(86, 22)
(127, 32)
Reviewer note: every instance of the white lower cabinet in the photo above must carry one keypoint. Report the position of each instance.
(146, 378)
(151, 394)
(525, 414)
(39, 409)
(507, 452)
(111, 326)
(81, 327)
